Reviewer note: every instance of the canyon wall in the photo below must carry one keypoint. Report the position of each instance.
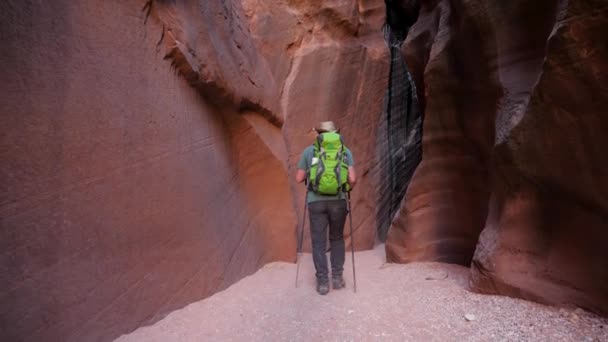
(446, 201)
(330, 62)
(295, 63)
(546, 233)
(125, 193)
(149, 148)
(511, 180)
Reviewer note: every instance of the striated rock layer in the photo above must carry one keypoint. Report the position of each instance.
(515, 96)
(125, 193)
(400, 128)
(148, 149)
(446, 202)
(546, 233)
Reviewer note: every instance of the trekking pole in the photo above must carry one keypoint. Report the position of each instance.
(352, 241)
(300, 239)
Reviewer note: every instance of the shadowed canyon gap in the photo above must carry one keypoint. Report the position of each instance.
(149, 147)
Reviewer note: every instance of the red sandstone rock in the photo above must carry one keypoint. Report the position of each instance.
(126, 195)
(129, 192)
(541, 173)
(545, 237)
(446, 202)
(331, 62)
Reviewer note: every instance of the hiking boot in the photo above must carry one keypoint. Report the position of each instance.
(337, 282)
(322, 288)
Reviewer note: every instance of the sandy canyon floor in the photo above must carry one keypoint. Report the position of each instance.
(414, 302)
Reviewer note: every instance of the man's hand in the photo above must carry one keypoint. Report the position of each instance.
(300, 176)
(352, 177)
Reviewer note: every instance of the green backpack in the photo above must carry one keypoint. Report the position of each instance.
(328, 174)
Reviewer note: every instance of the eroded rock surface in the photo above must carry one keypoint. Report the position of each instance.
(546, 234)
(125, 193)
(514, 95)
(446, 202)
(149, 148)
(331, 63)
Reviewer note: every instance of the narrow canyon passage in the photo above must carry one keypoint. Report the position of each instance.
(400, 129)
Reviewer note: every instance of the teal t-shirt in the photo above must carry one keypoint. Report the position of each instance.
(305, 164)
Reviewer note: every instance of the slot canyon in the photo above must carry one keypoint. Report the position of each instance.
(150, 148)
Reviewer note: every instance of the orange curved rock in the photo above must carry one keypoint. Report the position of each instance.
(446, 202)
(516, 154)
(130, 191)
(331, 62)
(125, 193)
(545, 237)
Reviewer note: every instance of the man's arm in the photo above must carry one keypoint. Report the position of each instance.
(352, 176)
(302, 167)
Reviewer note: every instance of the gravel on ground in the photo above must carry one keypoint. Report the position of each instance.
(412, 302)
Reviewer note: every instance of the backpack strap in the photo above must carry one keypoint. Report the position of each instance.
(340, 158)
(318, 153)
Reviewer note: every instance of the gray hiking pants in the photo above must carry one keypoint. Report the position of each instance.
(330, 213)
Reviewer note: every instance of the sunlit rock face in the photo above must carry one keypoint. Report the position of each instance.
(514, 95)
(330, 62)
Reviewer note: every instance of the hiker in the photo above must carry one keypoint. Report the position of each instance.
(326, 200)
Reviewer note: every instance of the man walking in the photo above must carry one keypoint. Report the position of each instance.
(329, 168)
